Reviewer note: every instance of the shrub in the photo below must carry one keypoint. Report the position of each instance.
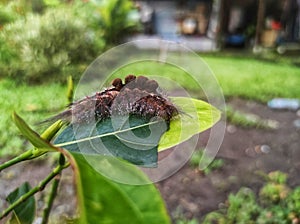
(63, 40)
(294, 202)
(11, 11)
(45, 46)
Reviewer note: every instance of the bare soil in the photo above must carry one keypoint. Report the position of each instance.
(190, 192)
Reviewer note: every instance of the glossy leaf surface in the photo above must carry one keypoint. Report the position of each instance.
(102, 200)
(196, 116)
(133, 138)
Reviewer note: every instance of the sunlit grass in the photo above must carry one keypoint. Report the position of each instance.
(247, 78)
(33, 103)
(254, 79)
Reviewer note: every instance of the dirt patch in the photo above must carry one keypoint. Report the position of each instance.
(246, 152)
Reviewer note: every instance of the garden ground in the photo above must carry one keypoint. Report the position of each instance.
(247, 154)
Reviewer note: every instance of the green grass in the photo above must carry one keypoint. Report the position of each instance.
(256, 80)
(247, 78)
(33, 103)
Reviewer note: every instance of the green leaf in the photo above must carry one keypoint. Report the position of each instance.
(132, 138)
(196, 116)
(31, 135)
(25, 212)
(102, 200)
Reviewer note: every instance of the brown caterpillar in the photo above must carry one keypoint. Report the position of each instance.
(138, 95)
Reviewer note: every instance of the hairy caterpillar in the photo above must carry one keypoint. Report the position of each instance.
(137, 95)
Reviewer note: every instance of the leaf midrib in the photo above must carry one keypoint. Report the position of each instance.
(105, 135)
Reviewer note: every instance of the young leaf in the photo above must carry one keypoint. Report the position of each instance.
(25, 212)
(196, 116)
(103, 201)
(31, 135)
(51, 131)
(134, 139)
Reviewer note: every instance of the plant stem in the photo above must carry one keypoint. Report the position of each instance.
(52, 195)
(24, 156)
(34, 190)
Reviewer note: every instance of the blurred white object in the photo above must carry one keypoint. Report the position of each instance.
(284, 103)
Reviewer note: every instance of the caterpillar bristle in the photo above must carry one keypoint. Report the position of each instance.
(139, 96)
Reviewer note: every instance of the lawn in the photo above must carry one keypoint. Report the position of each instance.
(33, 103)
(255, 79)
(247, 78)
(239, 77)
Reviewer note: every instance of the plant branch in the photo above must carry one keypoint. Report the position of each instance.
(24, 156)
(34, 190)
(52, 196)
(53, 192)
(29, 154)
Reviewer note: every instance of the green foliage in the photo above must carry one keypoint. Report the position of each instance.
(102, 200)
(293, 201)
(45, 46)
(199, 155)
(275, 191)
(276, 204)
(7, 55)
(115, 21)
(9, 12)
(25, 212)
(277, 177)
(52, 3)
(179, 218)
(61, 41)
(239, 211)
(184, 221)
